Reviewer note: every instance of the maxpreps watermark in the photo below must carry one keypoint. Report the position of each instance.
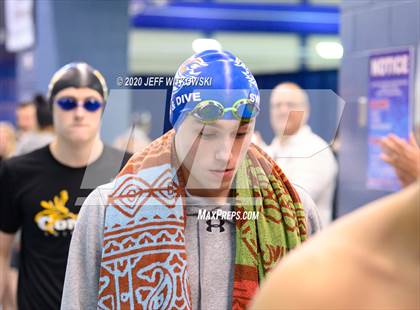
(227, 215)
(160, 81)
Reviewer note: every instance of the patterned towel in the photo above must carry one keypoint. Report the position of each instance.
(144, 264)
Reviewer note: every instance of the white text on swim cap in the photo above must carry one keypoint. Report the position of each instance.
(188, 97)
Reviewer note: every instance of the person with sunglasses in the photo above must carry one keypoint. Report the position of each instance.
(142, 241)
(41, 192)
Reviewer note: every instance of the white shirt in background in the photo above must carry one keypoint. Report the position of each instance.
(32, 141)
(308, 161)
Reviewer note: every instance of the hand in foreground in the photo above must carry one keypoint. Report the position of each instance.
(403, 156)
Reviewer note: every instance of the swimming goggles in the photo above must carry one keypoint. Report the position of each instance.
(209, 111)
(69, 103)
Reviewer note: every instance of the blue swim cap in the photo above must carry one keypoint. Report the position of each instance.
(211, 75)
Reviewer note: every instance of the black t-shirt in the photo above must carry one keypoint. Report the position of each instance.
(43, 197)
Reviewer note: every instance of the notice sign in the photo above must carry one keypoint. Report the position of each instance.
(390, 93)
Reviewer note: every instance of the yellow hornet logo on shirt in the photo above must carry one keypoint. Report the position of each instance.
(56, 217)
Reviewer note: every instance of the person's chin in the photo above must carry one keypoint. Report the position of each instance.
(219, 181)
(290, 131)
(280, 130)
(79, 138)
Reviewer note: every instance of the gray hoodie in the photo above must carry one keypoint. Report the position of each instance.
(210, 252)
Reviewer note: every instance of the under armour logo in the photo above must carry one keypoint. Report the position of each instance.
(220, 225)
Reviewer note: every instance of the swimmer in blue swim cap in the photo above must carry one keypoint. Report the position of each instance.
(214, 122)
(156, 250)
(214, 85)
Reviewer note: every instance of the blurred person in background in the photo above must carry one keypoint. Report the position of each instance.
(41, 192)
(43, 134)
(7, 146)
(25, 118)
(139, 242)
(29, 141)
(403, 156)
(136, 138)
(7, 140)
(369, 259)
(305, 157)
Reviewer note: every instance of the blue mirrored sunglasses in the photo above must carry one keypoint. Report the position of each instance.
(69, 103)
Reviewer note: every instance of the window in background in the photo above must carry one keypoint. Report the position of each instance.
(159, 51)
(263, 53)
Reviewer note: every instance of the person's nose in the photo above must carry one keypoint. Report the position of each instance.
(79, 111)
(224, 149)
(284, 109)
